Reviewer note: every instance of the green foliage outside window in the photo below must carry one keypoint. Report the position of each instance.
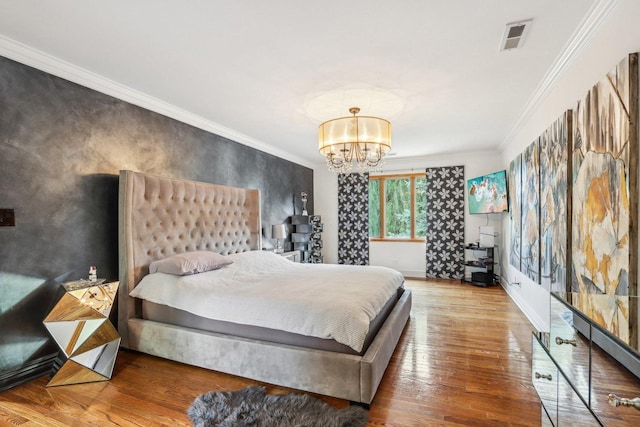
(421, 207)
(374, 208)
(400, 212)
(397, 208)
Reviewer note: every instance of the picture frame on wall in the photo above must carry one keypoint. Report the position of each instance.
(515, 210)
(555, 203)
(530, 237)
(604, 201)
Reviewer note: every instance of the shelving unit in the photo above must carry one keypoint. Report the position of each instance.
(479, 266)
(307, 237)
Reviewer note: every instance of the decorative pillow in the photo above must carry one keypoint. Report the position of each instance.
(189, 263)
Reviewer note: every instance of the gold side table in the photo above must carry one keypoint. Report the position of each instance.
(79, 323)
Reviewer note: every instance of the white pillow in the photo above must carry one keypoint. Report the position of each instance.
(189, 263)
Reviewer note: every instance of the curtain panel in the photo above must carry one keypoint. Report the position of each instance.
(353, 219)
(445, 222)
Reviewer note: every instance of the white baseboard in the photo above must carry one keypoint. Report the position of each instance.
(413, 274)
(531, 315)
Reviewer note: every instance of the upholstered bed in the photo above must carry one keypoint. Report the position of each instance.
(161, 217)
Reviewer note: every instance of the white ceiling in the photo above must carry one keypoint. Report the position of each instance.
(267, 73)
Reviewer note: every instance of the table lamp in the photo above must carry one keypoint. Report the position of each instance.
(278, 232)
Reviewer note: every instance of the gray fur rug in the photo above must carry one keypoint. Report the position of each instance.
(254, 407)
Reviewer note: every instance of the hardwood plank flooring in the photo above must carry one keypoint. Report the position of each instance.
(464, 359)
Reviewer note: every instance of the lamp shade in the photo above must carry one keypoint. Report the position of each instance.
(278, 231)
(363, 139)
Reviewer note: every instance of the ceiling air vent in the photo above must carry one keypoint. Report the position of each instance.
(514, 35)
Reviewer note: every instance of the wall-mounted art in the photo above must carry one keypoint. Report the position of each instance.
(515, 210)
(530, 239)
(554, 204)
(604, 211)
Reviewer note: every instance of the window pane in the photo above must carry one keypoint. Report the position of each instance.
(374, 208)
(421, 207)
(397, 208)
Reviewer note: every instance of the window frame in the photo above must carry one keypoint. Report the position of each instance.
(382, 178)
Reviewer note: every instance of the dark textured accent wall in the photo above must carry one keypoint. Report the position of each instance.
(61, 149)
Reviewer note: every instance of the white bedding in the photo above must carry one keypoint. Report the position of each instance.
(320, 300)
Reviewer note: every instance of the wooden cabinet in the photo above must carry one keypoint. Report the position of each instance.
(578, 366)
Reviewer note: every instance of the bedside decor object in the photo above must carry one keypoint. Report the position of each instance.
(79, 324)
(303, 196)
(365, 140)
(279, 232)
(307, 237)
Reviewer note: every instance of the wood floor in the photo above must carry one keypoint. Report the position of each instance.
(464, 360)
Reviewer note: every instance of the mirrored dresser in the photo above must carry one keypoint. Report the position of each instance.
(583, 374)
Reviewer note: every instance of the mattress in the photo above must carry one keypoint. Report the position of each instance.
(263, 289)
(165, 314)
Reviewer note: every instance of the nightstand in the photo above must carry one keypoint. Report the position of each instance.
(79, 323)
(292, 256)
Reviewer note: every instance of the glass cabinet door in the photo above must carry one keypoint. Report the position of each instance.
(608, 377)
(572, 411)
(569, 344)
(544, 377)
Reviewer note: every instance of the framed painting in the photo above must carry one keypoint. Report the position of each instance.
(555, 204)
(515, 207)
(605, 190)
(530, 237)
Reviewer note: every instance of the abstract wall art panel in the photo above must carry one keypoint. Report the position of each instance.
(605, 190)
(515, 210)
(554, 204)
(530, 246)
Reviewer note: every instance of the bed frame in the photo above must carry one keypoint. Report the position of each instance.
(159, 217)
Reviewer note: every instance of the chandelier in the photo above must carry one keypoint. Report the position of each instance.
(365, 140)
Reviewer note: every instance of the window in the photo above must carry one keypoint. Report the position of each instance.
(397, 207)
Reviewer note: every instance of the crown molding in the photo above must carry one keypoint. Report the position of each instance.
(27, 55)
(581, 38)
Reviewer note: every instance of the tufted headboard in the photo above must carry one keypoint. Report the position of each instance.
(159, 217)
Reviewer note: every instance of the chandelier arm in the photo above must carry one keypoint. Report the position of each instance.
(348, 154)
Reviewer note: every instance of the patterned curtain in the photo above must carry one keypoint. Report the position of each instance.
(353, 219)
(445, 222)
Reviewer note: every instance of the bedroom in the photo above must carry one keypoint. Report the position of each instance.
(80, 215)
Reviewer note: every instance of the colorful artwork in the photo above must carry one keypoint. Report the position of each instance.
(488, 193)
(530, 238)
(609, 311)
(554, 204)
(604, 211)
(515, 210)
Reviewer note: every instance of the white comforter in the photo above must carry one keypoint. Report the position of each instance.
(264, 289)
